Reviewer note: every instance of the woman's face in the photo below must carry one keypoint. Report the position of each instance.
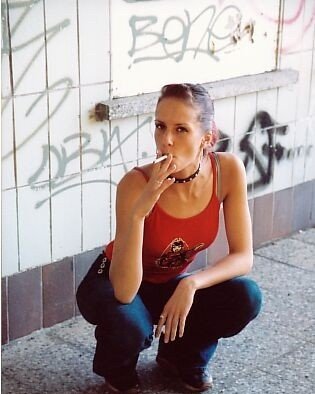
(178, 132)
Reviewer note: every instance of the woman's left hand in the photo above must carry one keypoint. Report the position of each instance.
(176, 311)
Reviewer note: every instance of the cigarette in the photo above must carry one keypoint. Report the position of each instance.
(160, 159)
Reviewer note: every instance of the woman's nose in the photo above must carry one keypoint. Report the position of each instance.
(167, 138)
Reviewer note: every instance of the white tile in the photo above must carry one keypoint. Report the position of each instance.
(245, 112)
(298, 154)
(146, 142)
(124, 140)
(34, 226)
(267, 102)
(302, 62)
(286, 111)
(94, 41)
(7, 148)
(62, 42)
(264, 163)
(308, 29)
(64, 130)
(312, 93)
(31, 132)
(5, 76)
(310, 152)
(95, 134)
(292, 30)
(245, 150)
(9, 234)
(5, 49)
(66, 219)
(304, 84)
(224, 116)
(117, 172)
(28, 47)
(96, 208)
(283, 172)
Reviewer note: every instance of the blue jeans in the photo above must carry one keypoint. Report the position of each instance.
(124, 330)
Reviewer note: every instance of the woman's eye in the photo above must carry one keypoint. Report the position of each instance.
(158, 126)
(181, 129)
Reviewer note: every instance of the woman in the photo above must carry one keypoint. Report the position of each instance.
(167, 212)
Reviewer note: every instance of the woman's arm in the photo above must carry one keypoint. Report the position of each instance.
(237, 224)
(126, 266)
(239, 260)
(135, 199)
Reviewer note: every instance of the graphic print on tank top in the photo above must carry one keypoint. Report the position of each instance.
(177, 254)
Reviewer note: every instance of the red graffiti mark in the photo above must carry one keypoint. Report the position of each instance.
(290, 21)
(300, 37)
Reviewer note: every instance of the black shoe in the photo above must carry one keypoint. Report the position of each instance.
(193, 379)
(124, 384)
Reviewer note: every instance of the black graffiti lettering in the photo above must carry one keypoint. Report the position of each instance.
(268, 125)
(224, 144)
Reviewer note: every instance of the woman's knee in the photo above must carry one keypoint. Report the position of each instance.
(127, 325)
(248, 296)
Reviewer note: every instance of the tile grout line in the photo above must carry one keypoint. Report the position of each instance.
(283, 263)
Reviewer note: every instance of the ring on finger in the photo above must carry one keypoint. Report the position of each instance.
(159, 183)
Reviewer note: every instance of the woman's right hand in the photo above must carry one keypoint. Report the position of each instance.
(156, 185)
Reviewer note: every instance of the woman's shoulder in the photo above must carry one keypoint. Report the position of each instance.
(229, 161)
(136, 176)
(233, 174)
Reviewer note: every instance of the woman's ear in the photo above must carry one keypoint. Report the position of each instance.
(207, 139)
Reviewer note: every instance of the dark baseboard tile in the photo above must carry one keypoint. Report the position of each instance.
(43, 296)
(262, 218)
(4, 311)
(283, 213)
(303, 201)
(58, 292)
(25, 304)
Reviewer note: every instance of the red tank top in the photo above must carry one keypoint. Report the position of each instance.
(169, 243)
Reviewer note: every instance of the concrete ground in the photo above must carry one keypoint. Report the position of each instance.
(274, 354)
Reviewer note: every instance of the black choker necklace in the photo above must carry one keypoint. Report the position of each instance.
(188, 179)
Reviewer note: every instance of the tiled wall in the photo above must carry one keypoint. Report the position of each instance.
(60, 167)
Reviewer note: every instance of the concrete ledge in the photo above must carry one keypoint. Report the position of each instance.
(145, 103)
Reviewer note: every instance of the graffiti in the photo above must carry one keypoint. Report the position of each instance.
(208, 33)
(268, 126)
(115, 143)
(272, 150)
(59, 182)
(308, 22)
(137, 1)
(7, 48)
